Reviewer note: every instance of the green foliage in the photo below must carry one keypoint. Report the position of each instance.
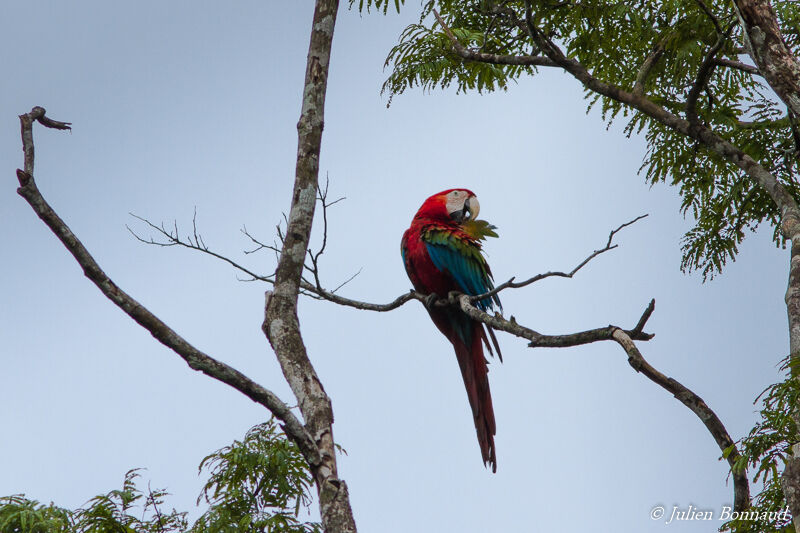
(424, 58)
(254, 486)
(258, 484)
(380, 5)
(107, 513)
(765, 450)
(613, 40)
(20, 515)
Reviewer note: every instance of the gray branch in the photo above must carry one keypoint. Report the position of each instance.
(196, 359)
(738, 65)
(281, 324)
(781, 68)
(741, 488)
(538, 277)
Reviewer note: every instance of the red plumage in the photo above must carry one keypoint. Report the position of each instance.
(441, 254)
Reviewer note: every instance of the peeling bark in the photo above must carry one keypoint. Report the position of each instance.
(781, 69)
(765, 44)
(281, 323)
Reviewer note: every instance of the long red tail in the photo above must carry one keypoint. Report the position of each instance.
(474, 370)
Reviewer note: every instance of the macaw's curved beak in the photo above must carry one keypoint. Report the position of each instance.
(472, 207)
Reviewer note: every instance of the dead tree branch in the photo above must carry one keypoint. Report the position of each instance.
(741, 488)
(172, 238)
(625, 338)
(738, 65)
(281, 324)
(315, 289)
(196, 359)
(538, 277)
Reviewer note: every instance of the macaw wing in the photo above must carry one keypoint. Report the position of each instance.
(463, 260)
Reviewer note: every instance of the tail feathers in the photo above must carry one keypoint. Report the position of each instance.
(474, 370)
(468, 337)
(494, 341)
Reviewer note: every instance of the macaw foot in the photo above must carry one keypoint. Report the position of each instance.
(453, 296)
(430, 300)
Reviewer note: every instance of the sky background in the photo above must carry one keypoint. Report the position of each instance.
(181, 105)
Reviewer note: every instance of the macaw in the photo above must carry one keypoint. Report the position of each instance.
(442, 252)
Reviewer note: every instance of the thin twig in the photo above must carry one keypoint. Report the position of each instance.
(538, 277)
(173, 239)
(738, 65)
(155, 507)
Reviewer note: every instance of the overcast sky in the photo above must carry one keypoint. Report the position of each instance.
(181, 104)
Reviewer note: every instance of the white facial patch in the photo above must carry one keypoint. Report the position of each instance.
(455, 201)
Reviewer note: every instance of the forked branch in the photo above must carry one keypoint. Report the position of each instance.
(538, 277)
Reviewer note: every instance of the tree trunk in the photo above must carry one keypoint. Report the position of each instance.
(765, 44)
(281, 324)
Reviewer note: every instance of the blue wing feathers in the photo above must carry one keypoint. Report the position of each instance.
(466, 271)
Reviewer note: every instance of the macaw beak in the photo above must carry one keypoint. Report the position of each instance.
(472, 207)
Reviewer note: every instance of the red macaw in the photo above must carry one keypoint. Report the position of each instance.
(442, 253)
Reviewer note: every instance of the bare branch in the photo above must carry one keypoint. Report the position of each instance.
(538, 277)
(763, 124)
(345, 282)
(322, 197)
(26, 123)
(741, 487)
(645, 317)
(260, 245)
(625, 339)
(539, 340)
(365, 306)
(738, 65)
(196, 359)
(173, 239)
(314, 289)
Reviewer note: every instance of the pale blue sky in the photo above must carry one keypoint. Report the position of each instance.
(181, 104)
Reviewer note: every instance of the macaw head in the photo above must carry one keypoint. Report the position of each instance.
(456, 205)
